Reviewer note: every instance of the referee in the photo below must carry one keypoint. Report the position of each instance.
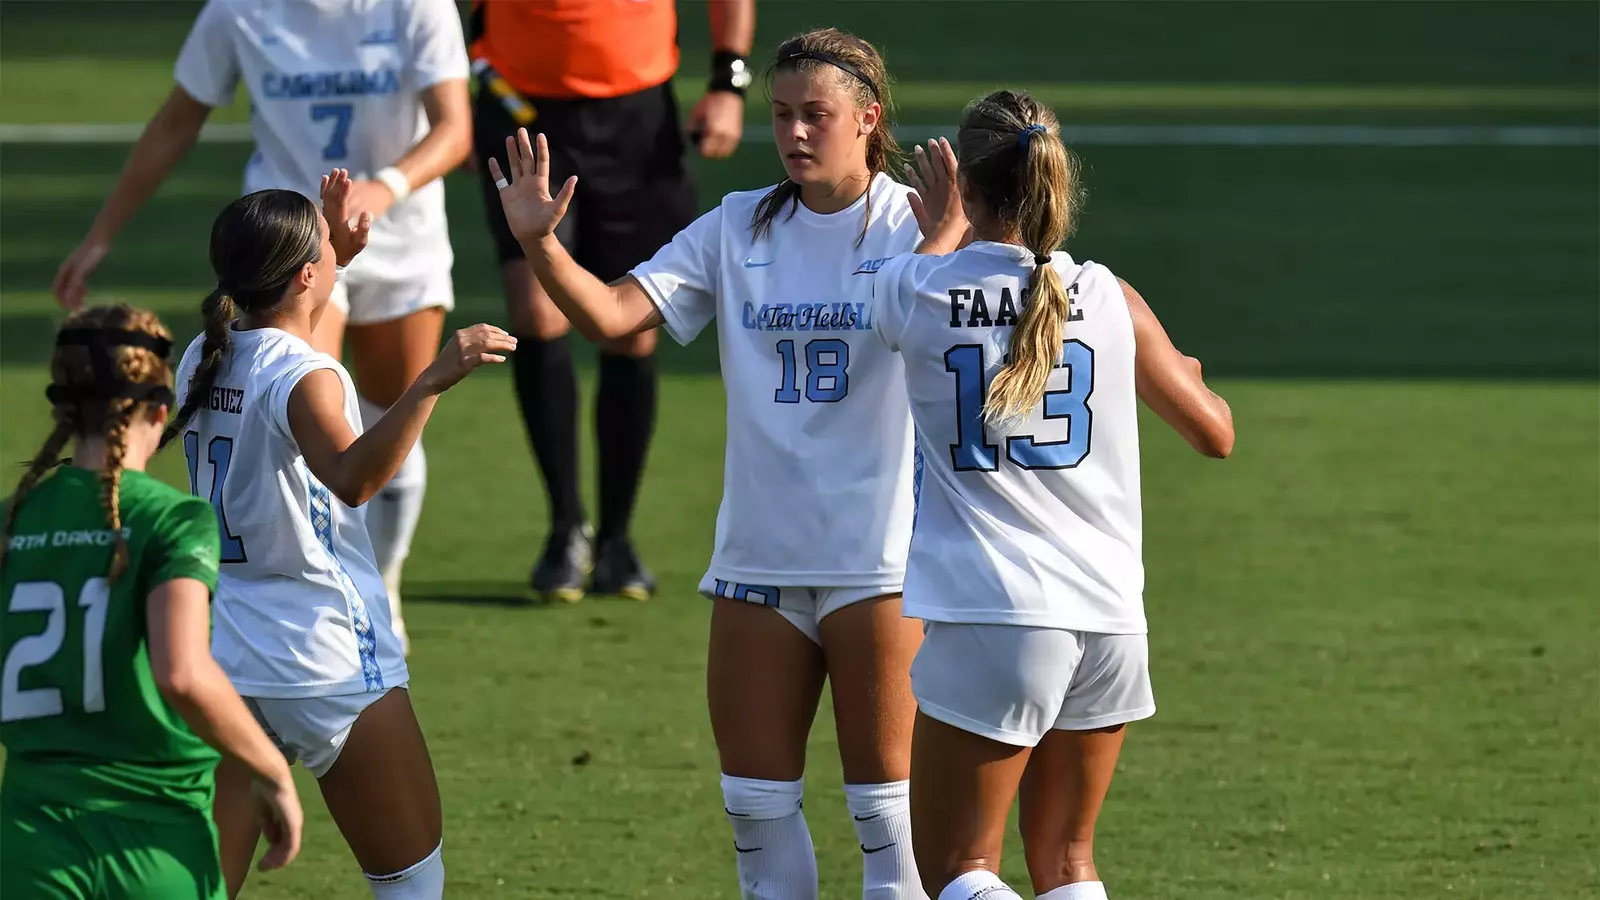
(595, 77)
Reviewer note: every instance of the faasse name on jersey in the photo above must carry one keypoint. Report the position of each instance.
(969, 308)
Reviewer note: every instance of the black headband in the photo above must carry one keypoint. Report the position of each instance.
(110, 389)
(114, 337)
(831, 60)
(108, 385)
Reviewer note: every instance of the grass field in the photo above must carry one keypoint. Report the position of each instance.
(1374, 629)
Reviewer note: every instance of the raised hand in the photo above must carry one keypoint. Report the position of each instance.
(466, 350)
(347, 238)
(72, 279)
(937, 201)
(531, 212)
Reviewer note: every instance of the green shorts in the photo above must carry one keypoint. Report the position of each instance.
(63, 853)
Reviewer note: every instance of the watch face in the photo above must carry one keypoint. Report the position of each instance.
(740, 74)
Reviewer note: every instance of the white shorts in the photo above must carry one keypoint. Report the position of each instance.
(1013, 683)
(312, 729)
(804, 607)
(368, 301)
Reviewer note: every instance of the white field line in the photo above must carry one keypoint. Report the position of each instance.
(1124, 135)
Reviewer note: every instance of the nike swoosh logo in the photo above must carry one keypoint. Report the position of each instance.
(866, 849)
(752, 264)
(740, 849)
(867, 818)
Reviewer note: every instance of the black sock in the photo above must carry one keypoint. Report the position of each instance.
(547, 391)
(624, 416)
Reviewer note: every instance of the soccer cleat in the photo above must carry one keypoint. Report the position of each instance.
(617, 570)
(568, 558)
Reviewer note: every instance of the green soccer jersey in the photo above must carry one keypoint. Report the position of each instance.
(80, 717)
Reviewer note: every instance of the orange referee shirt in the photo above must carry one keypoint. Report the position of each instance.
(579, 48)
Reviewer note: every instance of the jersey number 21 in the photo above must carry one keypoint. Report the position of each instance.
(18, 703)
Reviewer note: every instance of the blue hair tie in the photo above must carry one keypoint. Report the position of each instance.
(1026, 134)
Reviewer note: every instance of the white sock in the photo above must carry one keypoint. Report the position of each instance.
(1079, 890)
(776, 860)
(882, 814)
(979, 884)
(421, 881)
(392, 519)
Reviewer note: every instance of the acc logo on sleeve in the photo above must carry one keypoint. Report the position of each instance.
(870, 266)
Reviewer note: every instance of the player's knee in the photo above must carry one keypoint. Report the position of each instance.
(421, 881)
(754, 798)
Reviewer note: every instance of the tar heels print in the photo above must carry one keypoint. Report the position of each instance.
(807, 317)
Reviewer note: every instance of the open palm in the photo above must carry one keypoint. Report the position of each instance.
(531, 212)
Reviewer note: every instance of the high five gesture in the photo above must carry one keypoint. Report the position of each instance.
(531, 211)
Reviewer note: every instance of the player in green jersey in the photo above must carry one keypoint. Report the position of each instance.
(110, 702)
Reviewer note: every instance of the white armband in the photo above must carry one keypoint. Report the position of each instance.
(396, 181)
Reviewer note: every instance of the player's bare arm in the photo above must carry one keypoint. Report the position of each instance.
(598, 310)
(1170, 383)
(178, 619)
(164, 142)
(447, 144)
(355, 468)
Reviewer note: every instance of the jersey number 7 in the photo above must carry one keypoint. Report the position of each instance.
(341, 114)
(974, 452)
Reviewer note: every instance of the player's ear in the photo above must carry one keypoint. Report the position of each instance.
(306, 279)
(870, 117)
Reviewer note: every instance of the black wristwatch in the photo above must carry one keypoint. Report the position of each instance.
(729, 72)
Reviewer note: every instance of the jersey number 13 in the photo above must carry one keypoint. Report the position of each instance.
(974, 452)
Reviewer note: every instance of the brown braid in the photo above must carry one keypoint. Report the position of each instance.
(47, 458)
(218, 310)
(73, 367)
(115, 431)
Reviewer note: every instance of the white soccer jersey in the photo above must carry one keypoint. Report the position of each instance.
(816, 486)
(300, 609)
(1037, 522)
(335, 83)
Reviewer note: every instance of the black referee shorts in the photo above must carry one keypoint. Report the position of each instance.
(634, 192)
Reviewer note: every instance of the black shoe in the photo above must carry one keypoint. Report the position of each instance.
(568, 557)
(617, 570)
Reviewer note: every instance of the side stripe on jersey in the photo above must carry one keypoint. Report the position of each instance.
(366, 642)
(916, 483)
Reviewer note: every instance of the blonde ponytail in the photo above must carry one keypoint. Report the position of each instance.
(1042, 211)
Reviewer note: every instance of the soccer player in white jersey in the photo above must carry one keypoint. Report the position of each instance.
(817, 488)
(274, 438)
(1022, 367)
(378, 87)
